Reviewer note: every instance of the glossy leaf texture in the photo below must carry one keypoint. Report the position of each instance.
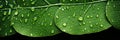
(82, 19)
(6, 28)
(113, 12)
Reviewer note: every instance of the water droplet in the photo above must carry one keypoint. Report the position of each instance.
(26, 20)
(97, 16)
(50, 23)
(22, 15)
(64, 30)
(80, 18)
(83, 22)
(16, 13)
(91, 25)
(23, 0)
(64, 24)
(63, 9)
(57, 16)
(12, 23)
(5, 13)
(91, 16)
(33, 2)
(96, 23)
(76, 0)
(63, 0)
(31, 34)
(101, 25)
(6, 2)
(10, 30)
(98, 8)
(85, 28)
(35, 18)
(70, 0)
(28, 14)
(32, 9)
(52, 31)
(88, 16)
(42, 23)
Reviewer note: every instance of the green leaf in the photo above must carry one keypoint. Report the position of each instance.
(35, 22)
(82, 19)
(113, 13)
(5, 23)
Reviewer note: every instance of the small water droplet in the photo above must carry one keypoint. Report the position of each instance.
(91, 25)
(12, 23)
(63, 9)
(76, 0)
(10, 30)
(35, 18)
(26, 20)
(52, 31)
(64, 30)
(97, 16)
(98, 8)
(22, 15)
(31, 34)
(85, 28)
(28, 14)
(80, 18)
(57, 16)
(101, 25)
(64, 24)
(50, 23)
(16, 13)
(5, 13)
(88, 16)
(83, 22)
(71, 0)
(42, 23)
(33, 2)
(23, 0)
(32, 9)
(91, 16)
(96, 23)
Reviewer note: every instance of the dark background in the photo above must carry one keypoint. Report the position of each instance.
(109, 34)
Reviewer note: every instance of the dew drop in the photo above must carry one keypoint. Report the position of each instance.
(64, 24)
(28, 14)
(57, 16)
(80, 18)
(16, 13)
(71, 0)
(31, 34)
(63, 9)
(26, 20)
(12, 23)
(91, 25)
(88, 16)
(98, 8)
(101, 25)
(33, 2)
(50, 23)
(52, 31)
(83, 22)
(35, 18)
(22, 15)
(10, 30)
(97, 16)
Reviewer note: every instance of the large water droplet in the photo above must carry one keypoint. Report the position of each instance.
(64, 24)
(101, 25)
(80, 18)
